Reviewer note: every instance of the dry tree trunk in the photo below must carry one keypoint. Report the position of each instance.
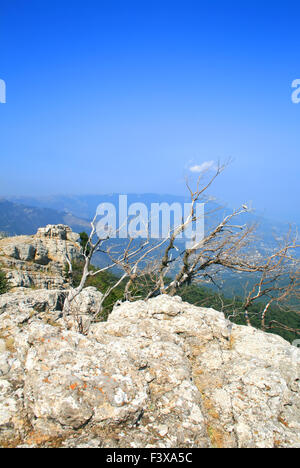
(223, 247)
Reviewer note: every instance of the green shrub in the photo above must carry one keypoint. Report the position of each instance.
(3, 283)
(83, 242)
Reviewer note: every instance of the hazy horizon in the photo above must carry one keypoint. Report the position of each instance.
(222, 203)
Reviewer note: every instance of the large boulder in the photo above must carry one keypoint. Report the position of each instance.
(160, 373)
(20, 307)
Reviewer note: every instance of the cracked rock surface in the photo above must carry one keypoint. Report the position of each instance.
(161, 373)
(38, 261)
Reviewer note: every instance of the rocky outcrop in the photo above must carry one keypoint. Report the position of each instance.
(160, 373)
(39, 261)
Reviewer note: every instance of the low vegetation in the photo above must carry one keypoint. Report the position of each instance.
(285, 324)
(3, 282)
(277, 323)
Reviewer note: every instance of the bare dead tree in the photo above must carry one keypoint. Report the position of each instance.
(221, 247)
(225, 246)
(88, 252)
(278, 283)
(274, 324)
(129, 261)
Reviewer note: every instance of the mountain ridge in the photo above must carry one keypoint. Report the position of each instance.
(20, 219)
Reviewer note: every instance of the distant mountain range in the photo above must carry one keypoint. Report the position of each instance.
(24, 215)
(80, 210)
(85, 206)
(18, 219)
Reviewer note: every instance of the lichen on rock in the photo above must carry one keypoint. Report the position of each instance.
(160, 373)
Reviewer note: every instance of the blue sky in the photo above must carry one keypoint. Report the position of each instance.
(126, 96)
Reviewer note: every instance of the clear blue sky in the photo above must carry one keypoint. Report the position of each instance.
(125, 96)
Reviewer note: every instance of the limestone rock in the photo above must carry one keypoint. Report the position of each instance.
(161, 373)
(39, 261)
(87, 301)
(58, 231)
(19, 308)
(82, 309)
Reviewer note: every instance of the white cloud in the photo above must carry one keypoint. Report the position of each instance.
(203, 167)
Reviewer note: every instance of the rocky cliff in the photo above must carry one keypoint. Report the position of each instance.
(161, 373)
(39, 261)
